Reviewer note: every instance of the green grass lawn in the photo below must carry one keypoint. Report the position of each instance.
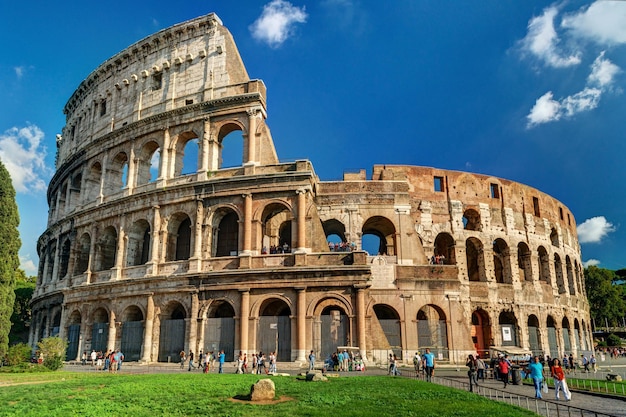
(82, 394)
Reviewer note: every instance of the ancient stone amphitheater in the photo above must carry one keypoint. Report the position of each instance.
(151, 251)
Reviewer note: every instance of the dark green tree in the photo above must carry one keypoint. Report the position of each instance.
(605, 298)
(9, 261)
(20, 320)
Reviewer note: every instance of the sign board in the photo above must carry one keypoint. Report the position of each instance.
(274, 326)
(506, 334)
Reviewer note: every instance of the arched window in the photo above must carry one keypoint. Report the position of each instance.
(226, 233)
(471, 220)
(475, 260)
(544, 265)
(558, 271)
(148, 163)
(138, 250)
(444, 247)
(82, 255)
(383, 234)
(524, 262)
(117, 174)
(107, 245)
(502, 262)
(276, 226)
(554, 237)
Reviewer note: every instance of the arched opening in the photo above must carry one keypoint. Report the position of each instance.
(567, 345)
(92, 183)
(231, 147)
(554, 237)
(50, 259)
(544, 265)
(138, 250)
(107, 249)
(577, 336)
(334, 330)
(56, 324)
(226, 233)
(148, 163)
(75, 187)
(335, 232)
(62, 206)
(502, 262)
(552, 340)
(82, 255)
(132, 333)
(471, 220)
(274, 331)
(475, 260)
(508, 328)
(172, 332)
(100, 330)
(481, 332)
(444, 248)
(570, 275)
(186, 156)
(524, 262)
(73, 336)
(558, 271)
(65, 258)
(534, 336)
(390, 339)
(276, 228)
(219, 329)
(117, 174)
(179, 237)
(383, 234)
(432, 330)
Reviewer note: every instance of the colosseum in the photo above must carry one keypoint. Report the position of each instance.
(151, 251)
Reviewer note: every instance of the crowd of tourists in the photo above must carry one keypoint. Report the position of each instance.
(344, 361)
(341, 246)
(207, 362)
(110, 361)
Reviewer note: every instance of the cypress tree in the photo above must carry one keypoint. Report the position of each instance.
(9, 261)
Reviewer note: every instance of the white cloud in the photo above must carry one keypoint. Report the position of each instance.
(277, 22)
(603, 72)
(29, 267)
(22, 153)
(542, 41)
(603, 22)
(593, 230)
(19, 72)
(591, 262)
(545, 110)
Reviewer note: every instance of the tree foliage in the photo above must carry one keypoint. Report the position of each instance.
(20, 320)
(9, 261)
(53, 351)
(605, 299)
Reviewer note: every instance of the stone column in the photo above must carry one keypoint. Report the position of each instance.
(251, 157)
(247, 223)
(204, 150)
(81, 339)
(154, 242)
(55, 258)
(120, 251)
(301, 221)
(301, 341)
(193, 323)
(195, 263)
(244, 315)
(360, 320)
(112, 332)
(164, 162)
(132, 171)
(103, 174)
(62, 325)
(147, 335)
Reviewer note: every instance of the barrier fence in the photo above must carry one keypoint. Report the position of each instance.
(544, 408)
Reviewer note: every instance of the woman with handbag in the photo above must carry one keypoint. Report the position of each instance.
(559, 380)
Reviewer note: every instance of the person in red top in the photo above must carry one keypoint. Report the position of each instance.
(504, 366)
(559, 380)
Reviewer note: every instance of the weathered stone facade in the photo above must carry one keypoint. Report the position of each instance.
(144, 254)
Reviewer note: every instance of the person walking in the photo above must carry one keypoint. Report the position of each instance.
(559, 381)
(222, 358)
(429, 364)
(504, 367)
(191, 365)
(311, 361)
(471, 373)
(535, 369)
(183, 358)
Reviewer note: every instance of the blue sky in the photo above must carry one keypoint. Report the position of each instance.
(530, 91)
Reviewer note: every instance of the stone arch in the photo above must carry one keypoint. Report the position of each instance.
(225, 232)
(445, 246)
(502, 262)
(274, 328)
(475, 257)
(386, 330)
(100, 329)
(92, 182)
(276, 227)
(83, 248)
(554, 237)
(231, 144)
(544, 265)
(565, 331)
(172, 332)
(179, 237)
(50, 259)
(558, 272)
(138, 249)
(471, 220)
(106, 249)
(335, 232)
(577, 336)
(73, 335)
(182, 144)
(117, 174)
(524, 262)
(75, 189)
(432, 330)
(553, 345)
(570, 276)
(132, 318)
(148, 160)
(384, 229)
(332, 328)
(481, 332)
(534, 335)
(56, 323)
(508, 328)
(64, 259)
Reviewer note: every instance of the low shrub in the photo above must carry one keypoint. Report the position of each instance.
(19, 353)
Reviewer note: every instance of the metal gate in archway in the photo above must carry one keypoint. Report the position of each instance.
(73, 336)
(334, 332)
(219, 334)
(99, 337)
(534, 339)
(393, 333)
(274, 335)
(552, 343)
(132, 339)
(171, 340)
